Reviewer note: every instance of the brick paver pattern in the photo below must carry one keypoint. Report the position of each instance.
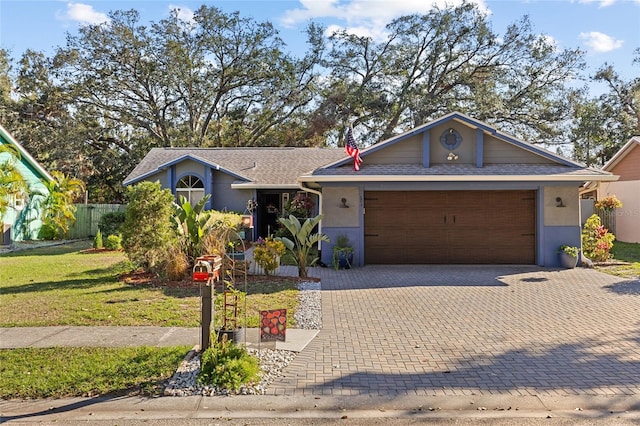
(471, 330)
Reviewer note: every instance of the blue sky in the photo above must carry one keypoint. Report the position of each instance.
(608, 30)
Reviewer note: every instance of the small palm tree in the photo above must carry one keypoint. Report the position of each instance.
(58, 209)
(11, 181)
(303, 240)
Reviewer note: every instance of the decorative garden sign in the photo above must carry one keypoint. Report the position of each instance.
(273, 325)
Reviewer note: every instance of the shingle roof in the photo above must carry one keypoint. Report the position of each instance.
(261, 166)
(461, 170)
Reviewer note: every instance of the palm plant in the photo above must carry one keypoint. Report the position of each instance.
(58, 209)
(303, 241)
(192, 224)
(11, 181)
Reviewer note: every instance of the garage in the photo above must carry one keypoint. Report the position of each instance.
(450, 227)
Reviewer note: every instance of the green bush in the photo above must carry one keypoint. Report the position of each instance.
(97, 241)
(147, 230)
(114, 242)
(110, 223)
(597, 241)
(226, 365)
(47, 232)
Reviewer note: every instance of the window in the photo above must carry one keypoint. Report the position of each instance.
(191, 188)
(18, 201)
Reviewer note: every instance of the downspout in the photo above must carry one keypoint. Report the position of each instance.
(319, 194)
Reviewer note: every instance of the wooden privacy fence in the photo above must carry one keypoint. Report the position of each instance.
(608, 219)
(88, 217)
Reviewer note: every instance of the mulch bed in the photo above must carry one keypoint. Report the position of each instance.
(148, 279)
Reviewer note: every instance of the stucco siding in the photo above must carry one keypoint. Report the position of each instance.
(190, 167)
(161, 177)
(223, 197)
(560, 224)
(628, 216)
(561, 206)
(552, 238)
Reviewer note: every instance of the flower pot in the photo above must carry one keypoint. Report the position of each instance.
(345, 259)
(567, 261)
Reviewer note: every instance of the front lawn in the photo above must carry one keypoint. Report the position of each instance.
(66, 372)
(625, 261)
(71, 285)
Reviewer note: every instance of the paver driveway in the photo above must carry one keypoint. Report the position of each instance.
(444, 330)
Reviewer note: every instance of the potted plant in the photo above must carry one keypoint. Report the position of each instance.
(342, 253)
(569, 256)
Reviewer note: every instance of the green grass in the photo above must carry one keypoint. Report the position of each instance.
(66, 372)
(63, 285)
(628, 253)
(263, 293)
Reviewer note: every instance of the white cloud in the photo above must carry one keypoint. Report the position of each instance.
(363, 17)
(601, 3)
(184, 13)
(600, 42)
(84, 14)
(550, 41)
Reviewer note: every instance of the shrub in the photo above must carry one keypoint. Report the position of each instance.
(147, 230)
(597, 241)
(47, 232)
(97, 241)
(226, 365)
(110, 223)
(266, 253)
(174, 265)
(609, 203)
(114, 242)
(222, 228)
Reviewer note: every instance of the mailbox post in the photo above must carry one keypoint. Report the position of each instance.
(207, 270)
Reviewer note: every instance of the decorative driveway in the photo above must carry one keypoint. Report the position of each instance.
(471, 330)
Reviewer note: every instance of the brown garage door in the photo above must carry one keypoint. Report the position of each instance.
(475, 227)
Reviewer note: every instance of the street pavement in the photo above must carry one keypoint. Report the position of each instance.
(419, 343)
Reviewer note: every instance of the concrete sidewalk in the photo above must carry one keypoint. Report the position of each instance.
(113, 337)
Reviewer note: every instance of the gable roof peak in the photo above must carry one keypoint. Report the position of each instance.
(633, 143)
(24, 154)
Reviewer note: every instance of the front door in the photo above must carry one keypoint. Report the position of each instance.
(269, 210)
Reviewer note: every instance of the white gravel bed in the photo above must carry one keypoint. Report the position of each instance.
(272, 362)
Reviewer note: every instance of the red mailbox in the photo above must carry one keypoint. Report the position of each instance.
(207, 268)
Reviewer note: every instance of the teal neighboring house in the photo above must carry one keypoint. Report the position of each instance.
(23, 218)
